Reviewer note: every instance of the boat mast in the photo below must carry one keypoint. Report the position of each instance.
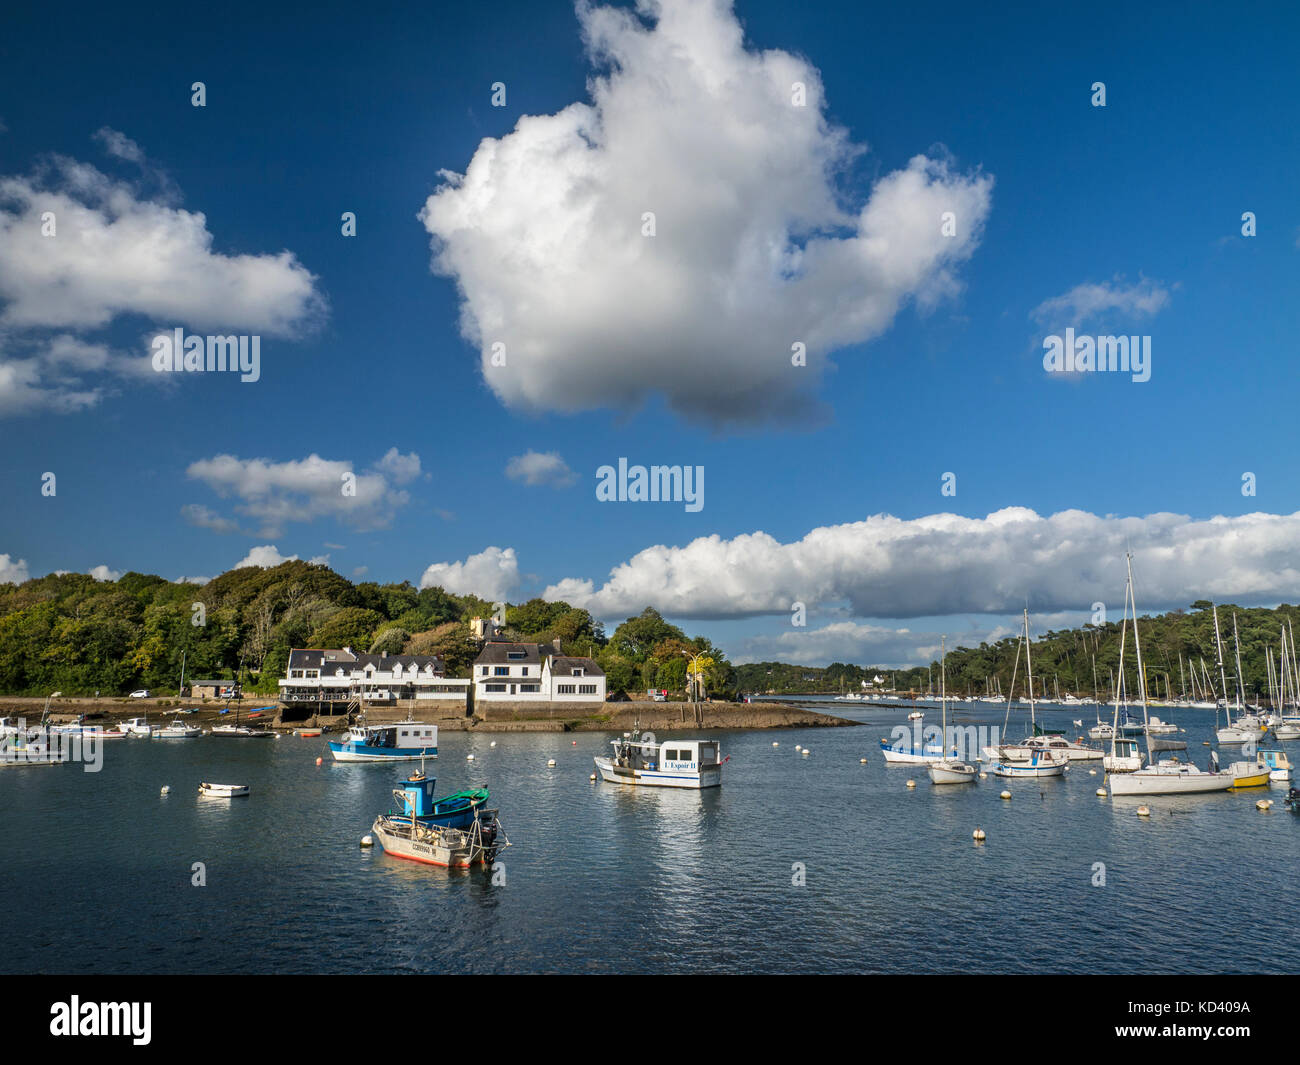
(1119, 679)
(943, 693)
(1029, 670)
(1137, 647)
(1241, 684)
(1223, 677)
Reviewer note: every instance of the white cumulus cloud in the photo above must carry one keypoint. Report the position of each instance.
(757, 246)
(491, 574)
(302, 490)
(268, 556)
(888, 567)
(13, 570)
(541, 468)
(103, 573)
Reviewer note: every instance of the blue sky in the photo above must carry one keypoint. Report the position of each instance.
(1118, 219)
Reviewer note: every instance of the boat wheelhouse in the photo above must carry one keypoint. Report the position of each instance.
(386, 743)
(1279, 765)
(672, 764)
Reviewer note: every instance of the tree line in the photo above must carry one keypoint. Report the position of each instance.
(71, 633)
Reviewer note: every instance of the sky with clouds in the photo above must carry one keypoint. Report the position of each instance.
(815, 253)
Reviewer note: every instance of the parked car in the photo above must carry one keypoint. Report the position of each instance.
(143, 693)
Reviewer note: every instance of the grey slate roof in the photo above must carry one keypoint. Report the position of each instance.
(563, 666)
(329, 660)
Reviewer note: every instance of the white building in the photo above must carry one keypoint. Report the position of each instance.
(527, 672)
(338, 676)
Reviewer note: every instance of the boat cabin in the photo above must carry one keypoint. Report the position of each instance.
(633, 753)
(403, 735)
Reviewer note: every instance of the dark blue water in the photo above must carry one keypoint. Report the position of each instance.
(603, 879)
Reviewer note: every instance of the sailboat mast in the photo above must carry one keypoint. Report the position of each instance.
(943, 690)
(1241, 683)
(1137, 648)
(1029, 670)
(1223, 677)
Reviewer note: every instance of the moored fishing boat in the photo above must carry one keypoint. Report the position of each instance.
(674, 764)
(1249, 774)
(178, 730)
(405, 740)
(455, 832)
(415, 794)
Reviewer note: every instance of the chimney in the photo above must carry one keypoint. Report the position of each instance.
(556, 644)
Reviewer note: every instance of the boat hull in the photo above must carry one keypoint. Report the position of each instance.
(358, 752)
(1144, 782)
(445, 849)
(950, 773)
(709, 776)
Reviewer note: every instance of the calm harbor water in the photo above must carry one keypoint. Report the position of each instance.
(97, 869)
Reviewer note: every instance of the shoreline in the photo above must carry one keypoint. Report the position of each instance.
(605, 717)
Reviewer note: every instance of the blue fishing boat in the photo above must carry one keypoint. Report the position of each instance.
(386, 743)
(415, 797)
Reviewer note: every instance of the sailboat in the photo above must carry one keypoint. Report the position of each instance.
(949, 770)
(1168, 776)
(1241, 732)
(1036, 756)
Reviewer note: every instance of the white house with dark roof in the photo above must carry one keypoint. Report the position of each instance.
(339, 675)
(573, 680)
(509, 672)
(527, 672)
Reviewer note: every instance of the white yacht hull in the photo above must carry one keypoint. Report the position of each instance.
(1185, 780)
(950, 772)
(709, 776)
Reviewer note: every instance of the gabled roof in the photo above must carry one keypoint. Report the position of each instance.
(497, 652)
(564, 665)
(327, 661)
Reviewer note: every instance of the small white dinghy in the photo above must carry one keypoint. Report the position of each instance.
(224, 791)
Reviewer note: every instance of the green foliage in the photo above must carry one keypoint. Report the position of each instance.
(74, 634)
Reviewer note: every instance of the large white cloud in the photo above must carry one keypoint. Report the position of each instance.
(13, 570)
(116, 252)
(756, 245)
(267, 556)
(887, 567)
(301, 490)
(491, 574)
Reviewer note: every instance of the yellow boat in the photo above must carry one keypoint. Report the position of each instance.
(1249, 775)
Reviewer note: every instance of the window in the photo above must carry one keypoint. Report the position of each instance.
(496, 687)
(564, 689)
(515, 655)
(670, 756)
(586, 689)
(523, 671)
(501, 671)
(578, 671)
(529, 687)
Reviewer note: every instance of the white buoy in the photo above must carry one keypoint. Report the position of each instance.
(550, 762)
(911, 783)
(367, 840)
(592, 777)
(1101, 793)
(469, 758)
(1092, 772)
(1005, 795)
(984, 776)
(978, 835)
(797, 747)
(805, 752)
(493, 743)
(1263, 804)
(1143, 811)
(775, 744)
(863, 761)
(166, 789)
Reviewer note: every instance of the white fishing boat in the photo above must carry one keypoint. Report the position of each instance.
(137, 726)
(224, 791)
(1103, 730)
(948, 770)
(178, 730)
(1249, 774)
(1168, 776)
(1156, 727)
(643, 760)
